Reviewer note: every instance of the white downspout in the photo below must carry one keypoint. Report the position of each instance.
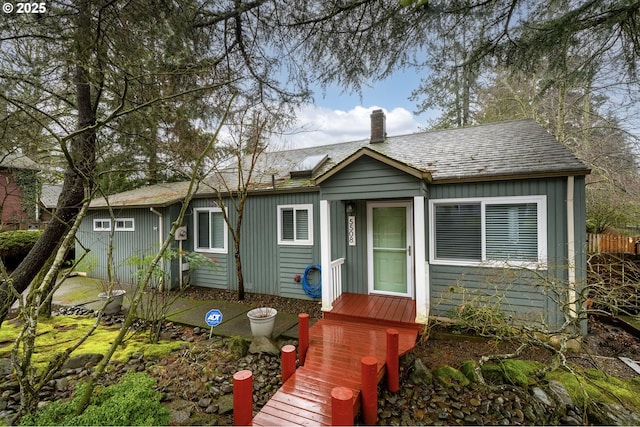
(571, 243)
(160, 240)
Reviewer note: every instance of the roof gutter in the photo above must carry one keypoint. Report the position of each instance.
(507, 177)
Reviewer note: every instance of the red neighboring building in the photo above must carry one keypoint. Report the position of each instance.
(19, 189)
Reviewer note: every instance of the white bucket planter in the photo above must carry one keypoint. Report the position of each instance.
(262, 320)
(117, 298)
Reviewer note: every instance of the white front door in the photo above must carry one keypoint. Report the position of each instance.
(390, 248)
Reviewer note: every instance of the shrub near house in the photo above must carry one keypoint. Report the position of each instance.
(15, 245)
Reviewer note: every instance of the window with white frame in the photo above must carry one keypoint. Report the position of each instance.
(121, 224)
(295, 225)
(101, 224)
(125, 224)
(495, 230)
(210, 230)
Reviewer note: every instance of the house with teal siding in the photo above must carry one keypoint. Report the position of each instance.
(490, 214)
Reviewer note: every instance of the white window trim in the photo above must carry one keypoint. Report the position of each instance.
(225, 231)
(133, 224)
(295, 242)
(101, 221)
(541, 202)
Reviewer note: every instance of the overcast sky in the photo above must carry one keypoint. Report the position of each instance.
(340, 117)
(321, 125)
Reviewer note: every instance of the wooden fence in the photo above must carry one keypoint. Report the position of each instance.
(611, 244)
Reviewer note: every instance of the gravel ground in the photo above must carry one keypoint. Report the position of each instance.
(601, 348)
(197, 381)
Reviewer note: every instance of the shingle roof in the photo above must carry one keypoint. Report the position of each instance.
(15, 160)
(50, 194)
(515, 149)
(489, 151)
(492, 151)
(153, 195)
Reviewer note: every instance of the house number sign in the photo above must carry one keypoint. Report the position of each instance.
(351, 230)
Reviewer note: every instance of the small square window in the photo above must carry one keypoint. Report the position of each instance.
(211, 231)
(295, 225)
(125, 224)
(101, 224)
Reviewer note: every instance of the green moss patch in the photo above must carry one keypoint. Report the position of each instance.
(132, 401)
(593, 385)
(56, 334)
(512, 371)
(468, 368)
(450, 376)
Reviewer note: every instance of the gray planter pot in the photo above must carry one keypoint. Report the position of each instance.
(116, 299)
(262, 320)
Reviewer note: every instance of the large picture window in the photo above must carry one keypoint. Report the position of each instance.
(295, 225)
(501, 230)
(210, 230)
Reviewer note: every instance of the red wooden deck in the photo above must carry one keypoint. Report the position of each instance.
(356, 327)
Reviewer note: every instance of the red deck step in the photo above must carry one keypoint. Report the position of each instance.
(337, 343)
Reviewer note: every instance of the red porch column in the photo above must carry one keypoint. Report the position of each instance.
(288, 362)
(303, 336)
(242, 398)
(341, 406)
(369, 373)
(393, 363)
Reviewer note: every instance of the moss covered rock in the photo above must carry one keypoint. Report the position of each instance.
(420, 375)
(449, 376)
(512, 371)
(468, 368)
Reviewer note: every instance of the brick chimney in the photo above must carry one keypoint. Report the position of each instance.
(378, 126)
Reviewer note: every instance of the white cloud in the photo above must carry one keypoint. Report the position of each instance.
(320, 126)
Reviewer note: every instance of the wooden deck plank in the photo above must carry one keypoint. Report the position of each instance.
(393, 309)
(355, 328)
(375, 308)
(267, 417)
(291, 405)
(321, 392)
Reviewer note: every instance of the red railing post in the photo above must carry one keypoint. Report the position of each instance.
(341, 406)
(303, 336)
(369, 373)
(288, 362)
(242, 398)
(393, 362)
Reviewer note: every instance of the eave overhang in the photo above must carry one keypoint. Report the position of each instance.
(512, 176)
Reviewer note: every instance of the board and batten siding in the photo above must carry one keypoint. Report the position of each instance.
(520, 290)
(367, 178)
(214, 276)
(363, 180)
(268, 268)
(141, 242)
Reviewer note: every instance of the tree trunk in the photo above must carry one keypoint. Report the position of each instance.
(239, 272)
(78, 176)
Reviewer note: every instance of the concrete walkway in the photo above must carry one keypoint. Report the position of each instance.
(82, 291)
